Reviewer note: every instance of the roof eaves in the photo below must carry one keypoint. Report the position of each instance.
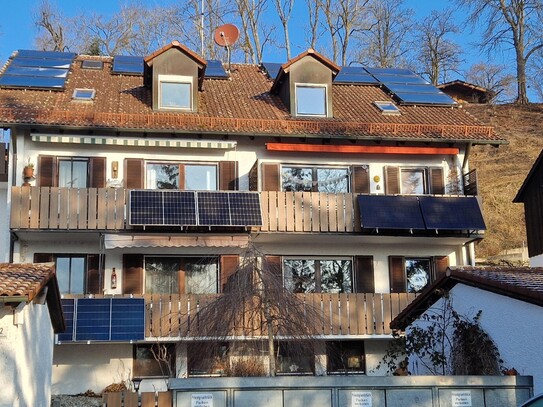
(175, 44)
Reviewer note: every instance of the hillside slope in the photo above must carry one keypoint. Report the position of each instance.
(501, 171)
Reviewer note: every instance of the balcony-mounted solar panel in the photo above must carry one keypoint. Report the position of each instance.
(355, 74)
(271, 68)
(37, 70)
(452, 213)
(213, 209)
(127, 65)
(245, 209)
(179, 208)
(68, 309)
(390, 212)
(215, 70)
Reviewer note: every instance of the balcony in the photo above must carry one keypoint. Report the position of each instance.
(174, 317)
(4, 161)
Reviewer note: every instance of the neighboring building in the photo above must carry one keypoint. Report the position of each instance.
(355, 183)
(30, 314)
(465, 92)
(531, 195)
(511, 301)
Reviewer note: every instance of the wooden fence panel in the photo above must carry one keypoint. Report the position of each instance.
(264, 203)
(83, 211)
(92, 217)
(34, 208)
(369, 314)
(64, 194)
(53, 207)
(45, 196)
(281, 212)
(306, 202)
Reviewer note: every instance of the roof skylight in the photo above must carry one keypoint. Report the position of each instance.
(387, 107)
(91, 64)
(83, 94)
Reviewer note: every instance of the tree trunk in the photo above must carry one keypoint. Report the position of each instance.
(522, 95)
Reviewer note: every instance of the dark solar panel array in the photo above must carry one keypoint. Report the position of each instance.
(452, 213)
(271, 69)
(38, 70)
(355, 74)
(127, 65)
(215, 70)
(105, 319)
(68, 309)
(390, 212)
(191, 208)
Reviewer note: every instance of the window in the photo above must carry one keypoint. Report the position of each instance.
(294, 358)
(92, 64)
(413, 181)
(208, 358)
(73, 172)
(175, 92)
(345, 357)
(83, 94)
(311, 100)
(387, 108)
(185, 275)
(326, 275)
(197, 177)
(418, 274)
(71, 274)
(157, 360)
(316, 179)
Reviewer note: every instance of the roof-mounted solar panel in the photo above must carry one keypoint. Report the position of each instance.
(437, 98)
(406, 88)
(271, 68)
(405, 79)
(355, 74)
(127, 65)
(215, 70)
(37, 70)
(389, 71)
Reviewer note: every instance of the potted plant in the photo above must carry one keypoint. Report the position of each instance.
(28, 170)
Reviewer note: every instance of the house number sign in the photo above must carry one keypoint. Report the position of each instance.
(201, 400)
(361, 399)
(461, 398)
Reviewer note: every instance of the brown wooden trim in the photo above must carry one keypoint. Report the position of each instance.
(97, 172)
(441, 263)
(363, 274)
(270, 177)
(229, 265)
(132, 273)
(437, 184)
(43, 258)
(397, 274)
(228, 176)
(182, 176)
(392, 180)
(253, 177)
(349, 149)
(360, 179)
(47, 171)
(94, 283)
(133, 173)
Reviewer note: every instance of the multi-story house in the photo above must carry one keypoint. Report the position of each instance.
(152, 174)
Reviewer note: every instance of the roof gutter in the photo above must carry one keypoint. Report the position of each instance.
(13, 299)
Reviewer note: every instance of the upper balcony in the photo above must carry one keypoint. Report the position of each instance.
(107, 209)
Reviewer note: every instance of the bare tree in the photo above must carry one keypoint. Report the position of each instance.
(284, 11)
(255, 34)
(386, 39)
(52, 28)
(438, 55)
(255, 304)
(313, 9)
(494, 78)
(514, 24)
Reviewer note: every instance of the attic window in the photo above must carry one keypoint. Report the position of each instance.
(311, 100)
(175, 92)
(83, 94)
(89, 64)
(387, 107)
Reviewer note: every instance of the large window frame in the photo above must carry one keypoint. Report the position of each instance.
(311, 178)
(71, 271)
(419, 272)
(145, 364)
(169, 86)
(414, 181)
(293, 359)
(73, 172)
(318, 275)
(307, 96)
(345, 357)
(169, 175)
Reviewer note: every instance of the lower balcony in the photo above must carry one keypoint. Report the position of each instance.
(175, 317)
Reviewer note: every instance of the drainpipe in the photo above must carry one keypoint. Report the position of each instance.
(12, 239)
(466, 156)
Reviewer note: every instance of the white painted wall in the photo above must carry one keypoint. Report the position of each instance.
(82, 367)
(26, 353)
(4, 226)
(515, 326)
(536, 261)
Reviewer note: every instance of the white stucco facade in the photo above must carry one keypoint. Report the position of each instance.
(515, 326)
(26, 353)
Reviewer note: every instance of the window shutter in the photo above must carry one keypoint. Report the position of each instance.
(43, 258)
(436, 181)
(133, 173)
(182, 276)
(47, 171)
(253, 177)
(392, 180)
(182, 183)
(274, 263)
(97, 172)
(93, 274)
(361, 179)
(228, 175)
(440, 265)
(270, 177)
(397, 274)
(364, 277)
(133, 274)
(229, 265)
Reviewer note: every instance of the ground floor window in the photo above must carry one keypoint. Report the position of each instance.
(345, 357)
(318, 275)
(294, 358)
(156, 360)
(208, 358)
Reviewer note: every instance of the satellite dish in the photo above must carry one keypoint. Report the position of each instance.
(226, 35)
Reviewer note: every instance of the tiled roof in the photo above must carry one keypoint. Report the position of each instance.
(241, 104)
(521, 283)
(20, 280)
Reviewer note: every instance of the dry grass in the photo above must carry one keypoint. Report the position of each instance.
(501, 171)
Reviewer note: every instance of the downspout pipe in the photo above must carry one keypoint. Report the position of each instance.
(466, 156)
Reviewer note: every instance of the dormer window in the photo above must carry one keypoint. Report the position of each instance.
(175, 92)
(311, 100)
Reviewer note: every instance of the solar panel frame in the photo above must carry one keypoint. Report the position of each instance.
(68, 309)
(36, 71)
(390, 212)
(364, 78)
(245, 209)
(412, 88)
(31, 82)
(127, 319)
(401, 79)
(57, 55)
(452, 213)
(43, 63)
(146, 207)
(127, 65)
(389, 71)
(213, 209)
(179, 208)
(440, 99)
(93, 319)
(215, 70)
(271, 68)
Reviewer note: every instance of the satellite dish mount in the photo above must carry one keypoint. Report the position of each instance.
(225, 36)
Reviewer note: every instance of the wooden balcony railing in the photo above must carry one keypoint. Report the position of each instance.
(339, 314)
(3, 162)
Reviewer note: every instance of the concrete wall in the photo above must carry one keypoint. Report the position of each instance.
(81, 367)
(515, 326)
(349, 391)
(4, 226)
(26, 353)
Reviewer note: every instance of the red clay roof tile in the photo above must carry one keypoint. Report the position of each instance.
(24, 279)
